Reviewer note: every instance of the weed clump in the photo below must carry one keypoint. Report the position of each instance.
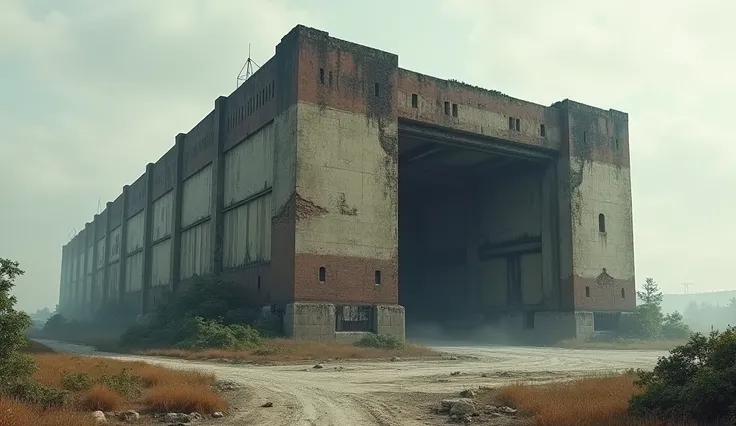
(380, 341)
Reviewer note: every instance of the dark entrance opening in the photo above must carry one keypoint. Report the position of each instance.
(475, 239)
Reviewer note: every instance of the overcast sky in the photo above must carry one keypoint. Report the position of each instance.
(91, 91)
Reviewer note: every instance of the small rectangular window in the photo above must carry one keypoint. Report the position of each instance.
(377, 277)
(617, 144)
(322, 274)
(414, 100)
(511, 123)
(375, 89)
(518, 125)
(542, 131)
(330, 78)
(447, 108)
(322, 75)
(454, 110)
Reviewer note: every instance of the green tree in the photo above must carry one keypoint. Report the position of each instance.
(15, 367)
(650, 295)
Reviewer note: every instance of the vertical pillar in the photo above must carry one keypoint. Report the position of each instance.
(123, 243)
(147, 240)
(62, 281)
(89, 236)
(106, 260)
(218, 189)
(176, 225)
(93, 283)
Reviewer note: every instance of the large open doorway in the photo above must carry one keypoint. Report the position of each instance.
(476, 233)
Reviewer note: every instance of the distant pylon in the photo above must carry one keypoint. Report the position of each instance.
(687, 287)
(247, 70)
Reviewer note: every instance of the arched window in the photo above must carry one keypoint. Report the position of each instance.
(601, 223)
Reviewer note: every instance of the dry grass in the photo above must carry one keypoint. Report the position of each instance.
(185, 399)
(102, 398)
(13, 413)
(291, 350)
(157, 389)
(600, 401)
(52, 367)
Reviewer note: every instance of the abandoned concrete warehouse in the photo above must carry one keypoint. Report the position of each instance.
(344, 192)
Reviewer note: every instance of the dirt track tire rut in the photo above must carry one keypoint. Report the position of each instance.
(385, 393)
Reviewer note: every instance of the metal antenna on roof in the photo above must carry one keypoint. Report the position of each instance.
(247, 70)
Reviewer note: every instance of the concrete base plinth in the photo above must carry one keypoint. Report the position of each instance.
(317, 321)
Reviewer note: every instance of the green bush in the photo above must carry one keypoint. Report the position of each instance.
(208, 334)
(123, 383)
(37, 394)
(697, 381)
(380, 341)
(76, 382)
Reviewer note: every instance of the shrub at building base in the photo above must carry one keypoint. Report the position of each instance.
(382, 341)
(697, 381)
(208, 314)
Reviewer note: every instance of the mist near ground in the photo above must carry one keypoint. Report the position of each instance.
(703, 311)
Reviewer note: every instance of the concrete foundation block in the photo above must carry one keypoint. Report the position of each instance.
(390, 320)
(310, 321)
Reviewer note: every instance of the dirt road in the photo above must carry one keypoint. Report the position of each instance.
(389, 393)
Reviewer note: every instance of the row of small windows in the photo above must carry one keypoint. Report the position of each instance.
(322, 276)
(587, 292)
(376, 87)
(515, 125)
(450, 109)
(251, 105)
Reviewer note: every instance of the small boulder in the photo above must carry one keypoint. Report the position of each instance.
(455, 373)
(269, 404)
(99, 417)
(467, 393)
(446, 405)
(395, 358)
(462, 407)
(217, 415)
(484, 375)
(176, 418)
(128, 416)
(195, 416)
(319, 366)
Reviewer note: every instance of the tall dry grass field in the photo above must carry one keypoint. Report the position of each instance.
(599, 401)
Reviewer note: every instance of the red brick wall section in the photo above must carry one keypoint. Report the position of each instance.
(348, 280)
(604, 296)
(436, 92)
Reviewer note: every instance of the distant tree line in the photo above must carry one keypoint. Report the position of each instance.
(705, 317)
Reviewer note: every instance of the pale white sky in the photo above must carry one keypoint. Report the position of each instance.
(91, 91)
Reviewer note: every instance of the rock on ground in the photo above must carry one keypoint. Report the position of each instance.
(128, 416)
(176, 418)
(99, 417)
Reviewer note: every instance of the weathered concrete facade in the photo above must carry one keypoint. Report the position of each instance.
(332, 175)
